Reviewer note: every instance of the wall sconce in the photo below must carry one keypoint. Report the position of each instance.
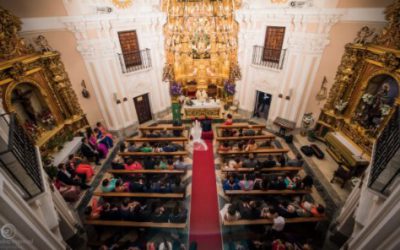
(117, 101)
(280, 95)
(323, 91)
(85, 92)
(290, 94)
(124, 99)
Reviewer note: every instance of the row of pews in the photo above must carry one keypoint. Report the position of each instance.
(259, 152)
(142, 138)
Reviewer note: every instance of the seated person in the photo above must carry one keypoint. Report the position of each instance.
(110, 212)
(231, 183)
(146, 148)
(287, 210)
(282, 160)
(224, 147)
(230, 212)
(178, 215)
(161, 164)
(104, 139)
(170, 164)
(250, 162)
(108, 185)
(89, 152)
(291, 183)
(247, 183)
(249, 132)
(277, 184)
(249, 210)
(180, 164)
(133, 165)
(68, 192)
(160, 214)
(132, 147)
(153, 134)
(72, 163)
(149, 163)
(121, 186)
(66, 178)
(307, 182)
(315, 210)
(177, 187)
(85, 169)
(298, 162)
(251, 145)
(228, 120)
(233, 164)
(269, 163)
(94, 210)
(137, 185)
(122, 147)
(118, 163)
(169, 148)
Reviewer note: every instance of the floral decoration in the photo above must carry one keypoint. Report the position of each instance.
(229, 88)
(340, 105)
(368, 98)
(385, 109)
(176, 89)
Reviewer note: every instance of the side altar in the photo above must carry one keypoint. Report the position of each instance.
(36, 88)
(365, 94)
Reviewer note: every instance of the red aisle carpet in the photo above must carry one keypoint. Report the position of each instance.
(204, 215)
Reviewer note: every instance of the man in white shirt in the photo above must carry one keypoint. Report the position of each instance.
(279, 223)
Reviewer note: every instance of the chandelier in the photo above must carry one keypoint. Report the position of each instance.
(200, 30)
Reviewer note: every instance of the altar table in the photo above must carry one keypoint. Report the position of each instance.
(210, 109)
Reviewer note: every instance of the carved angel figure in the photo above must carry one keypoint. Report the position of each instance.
(363, 35)
(44, 46)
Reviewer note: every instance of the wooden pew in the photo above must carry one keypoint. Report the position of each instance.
(246, 138)
(241, 125)
(118, 223)
(141, 195)
(270, 221)
(268, 192)
(176, 153)
(274, 169)
(158, 139)
(161, 127)
(146, 171)
(265, 151)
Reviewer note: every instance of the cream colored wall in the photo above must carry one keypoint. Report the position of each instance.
(363, 3)
(341, 34)
(65, 43)
(34, 8)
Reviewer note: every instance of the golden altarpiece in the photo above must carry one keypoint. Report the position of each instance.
(35, 87)
(365, 93)
(201, 46)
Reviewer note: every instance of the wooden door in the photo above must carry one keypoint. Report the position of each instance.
(143, 109)
(273, 43)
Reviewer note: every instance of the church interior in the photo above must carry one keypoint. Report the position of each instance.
(200, 124)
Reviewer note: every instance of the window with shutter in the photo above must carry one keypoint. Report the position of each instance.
(273, 43)
(130, 48)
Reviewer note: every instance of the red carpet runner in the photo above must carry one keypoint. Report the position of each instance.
(204, 215)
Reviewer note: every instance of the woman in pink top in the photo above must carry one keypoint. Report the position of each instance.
(133, 165)
(86, 169)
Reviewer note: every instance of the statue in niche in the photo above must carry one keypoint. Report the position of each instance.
(374, 108)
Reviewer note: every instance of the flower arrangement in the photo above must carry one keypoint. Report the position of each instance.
(368, 98)
(229, 88)
(340, 105)
(176, 89)
(385, 109)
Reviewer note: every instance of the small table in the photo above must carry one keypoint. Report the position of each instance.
(284, 125)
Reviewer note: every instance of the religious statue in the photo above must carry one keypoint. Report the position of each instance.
(363, 35)
(201, 95)
(43, 44)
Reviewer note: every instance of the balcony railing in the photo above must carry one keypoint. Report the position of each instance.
(270, 58)
(19, 158)
(385, 170)
(134, 61)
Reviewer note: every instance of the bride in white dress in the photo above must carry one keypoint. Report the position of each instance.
(197, 143)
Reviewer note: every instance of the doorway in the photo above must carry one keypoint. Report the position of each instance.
(143, 109)
(262, 105)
